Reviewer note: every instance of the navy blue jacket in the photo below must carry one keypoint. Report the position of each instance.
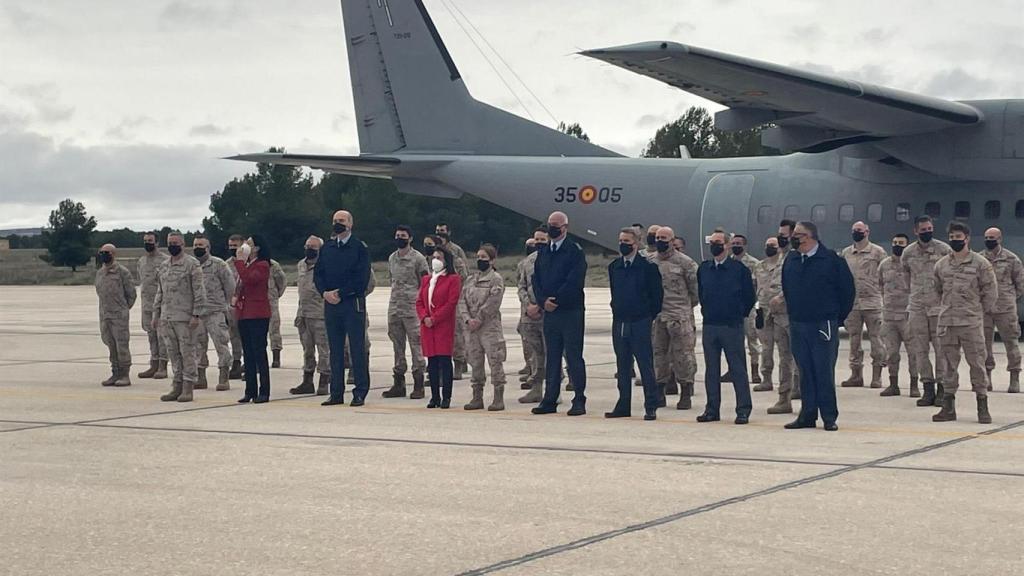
(560, 275)
(819, 289)
(343, 267)
(726, 292)
(637, 292)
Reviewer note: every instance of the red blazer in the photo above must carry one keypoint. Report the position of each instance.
(439, 340)
(253, 299)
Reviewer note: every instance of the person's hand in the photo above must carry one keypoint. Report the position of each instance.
(194, 322)
(428, 322)
(332, 297)
(533, 311)
(234, 303)
(474, 324)
(550, 305)
(243, 253)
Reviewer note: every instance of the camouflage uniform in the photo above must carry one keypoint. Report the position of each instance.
(867, 311)
(776, 326)
(115, 288)
(966, 290)
(236, 338)
(923, 308)
(406, 272)
(180, 295)
(219, 282)
(309, 319)
(749, 324)
(674, 328)
(1010, 279)
(148, 266)
(531, 331)
(894, 283)
(277, 284)
(481, 300)
(459, 349)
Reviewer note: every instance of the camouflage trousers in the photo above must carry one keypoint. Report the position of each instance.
(236, 337)
(1009, 331)
(855, 324)
(313, 336)
(180, 341)
(157, 348)
(213, 327)
(897, 333)
(924, 331)
(114, 333)
(970, 339)
(753, 341)
(532, 333)
(402, 330)
(674, 342)
(276, 343)
(459, 347)
(487, 343)
(775, 334)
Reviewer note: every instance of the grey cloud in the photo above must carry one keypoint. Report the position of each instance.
(26, 21)
(878, 35)
(957, 83)
(807, 35)
(185, 15)
(209, 130)
(870, 73)
(651, 121)
(45, 98)
(125, 128)
(680, 28)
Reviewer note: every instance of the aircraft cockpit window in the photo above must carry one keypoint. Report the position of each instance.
(765, 214)
(992, 210)
(846, 213)
(962, 209)
(874, 212)
(818, 213)
(903, 212)
(792, 212)
(933, 209)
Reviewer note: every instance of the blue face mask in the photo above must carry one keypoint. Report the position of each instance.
(625, 249)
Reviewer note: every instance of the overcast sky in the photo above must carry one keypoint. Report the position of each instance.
(126, 106)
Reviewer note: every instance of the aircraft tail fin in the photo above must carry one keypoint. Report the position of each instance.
(410, 97)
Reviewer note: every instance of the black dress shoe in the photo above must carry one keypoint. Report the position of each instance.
(446, 403)
(742, 419)
(705, 417)
(261, 400)
(333, 402)
(831, 426)
(577, 410)
(648, 416)
(434, 403)
(542, 409)
(798, 424)
(245, 399)
(616, 414)
(356, 402)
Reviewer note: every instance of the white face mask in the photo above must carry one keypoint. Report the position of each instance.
(437, 265)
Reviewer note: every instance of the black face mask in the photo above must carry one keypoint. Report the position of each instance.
(795, 243)
(106, 257)
(783, 241)
(662, 246)
(957, 245)
(925, 237)
(651, 239)
(540, 246)
(737, 250)
(483, 265)
(625, 249)
(991, 244)
(554, 232)
(199, 252)
(531, 249)
(443, 236)
(770, 251)
(897, 250)
(401, 242)
(340, 228)
(233, 252)
(174, 249)
(858, 236)
(149, 246)
(717, 249)
(312, 254)
(428, 249)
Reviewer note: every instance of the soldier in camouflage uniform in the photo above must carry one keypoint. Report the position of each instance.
(531, 321)
(178, 306)
(738, 245)
(919, 258)
(406, 268)
(220, 287)
(276, 285)
(235, 373)
(966, 287)
(894, 282)
(1010, 279)
(776, 326)
(524, 372)
(443, 232)
(863, 258)
(309, 319)
(481, 307)
(674, 328)
(148, 266)
(116, 291)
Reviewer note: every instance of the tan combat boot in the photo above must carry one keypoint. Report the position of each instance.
(277, 359)
(856, 379)
(477, 403)
(174, 393)
(306, 387)
(685, 397)
(988, 378)
(417, 385)
(123, 378)
(766, 385)
(224, 379)
(894, 386)
(498, 403)
(948, 411)
(876, 376)
(323, 387)
(525, 370)
(536, 393)
(1014, 382)
(397, 389)
(983, 416)
(755, 373)
(929, 395)
(783, 406)
(672, 388)
(938, 394)
(149, 373)
(236, 370)
(202, 384)
(115, 373)
(915, 391)
(161, 370)
(186, 392)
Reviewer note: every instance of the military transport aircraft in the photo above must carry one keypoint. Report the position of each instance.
(855, 151)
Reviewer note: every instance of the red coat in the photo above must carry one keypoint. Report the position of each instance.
(439, 340)
(253, 300)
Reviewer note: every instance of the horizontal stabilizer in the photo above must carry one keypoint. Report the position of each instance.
(369, 166)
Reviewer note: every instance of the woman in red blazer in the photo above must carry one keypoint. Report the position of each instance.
(252, 308)
(435, 305)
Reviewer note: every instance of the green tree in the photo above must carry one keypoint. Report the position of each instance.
(68, 239)
(573, 129)
(695, 129)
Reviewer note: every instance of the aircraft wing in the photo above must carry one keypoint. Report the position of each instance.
(369, 166)
(810, 111)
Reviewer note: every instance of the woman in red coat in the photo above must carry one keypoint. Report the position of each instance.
(435, 306)
(252, 308)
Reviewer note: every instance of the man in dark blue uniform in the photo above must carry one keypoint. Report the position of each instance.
(819, 292)
(726, 291)
(558, 279)
(341, 275)
(637, 295)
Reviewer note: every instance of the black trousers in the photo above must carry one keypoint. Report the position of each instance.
(815, 348)
(563, 336)
(633, 340)
(440, 370)
(728, 339)
(254, 348)
(347, 321)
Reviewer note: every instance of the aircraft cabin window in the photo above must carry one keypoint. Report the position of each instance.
(846, 213)
(962, 209)
(818, 213)
(933, 209)
(992, 209)
(765, 214)
(874, 212)
(903, 212)
(1019, 209)
(792, 212)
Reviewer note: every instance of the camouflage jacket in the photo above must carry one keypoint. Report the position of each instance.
(220, 285)
(864, 266)
(278, 281)
(481, 298)
(181, 291)
(920, 260)
(894, 284)
(966, 289)
(679, 280)
(116, 290)
(311, 303)
(148, 266)
(406, 272)
(524, 286)
(1009, 278)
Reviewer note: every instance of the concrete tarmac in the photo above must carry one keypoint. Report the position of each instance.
(112, 481)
